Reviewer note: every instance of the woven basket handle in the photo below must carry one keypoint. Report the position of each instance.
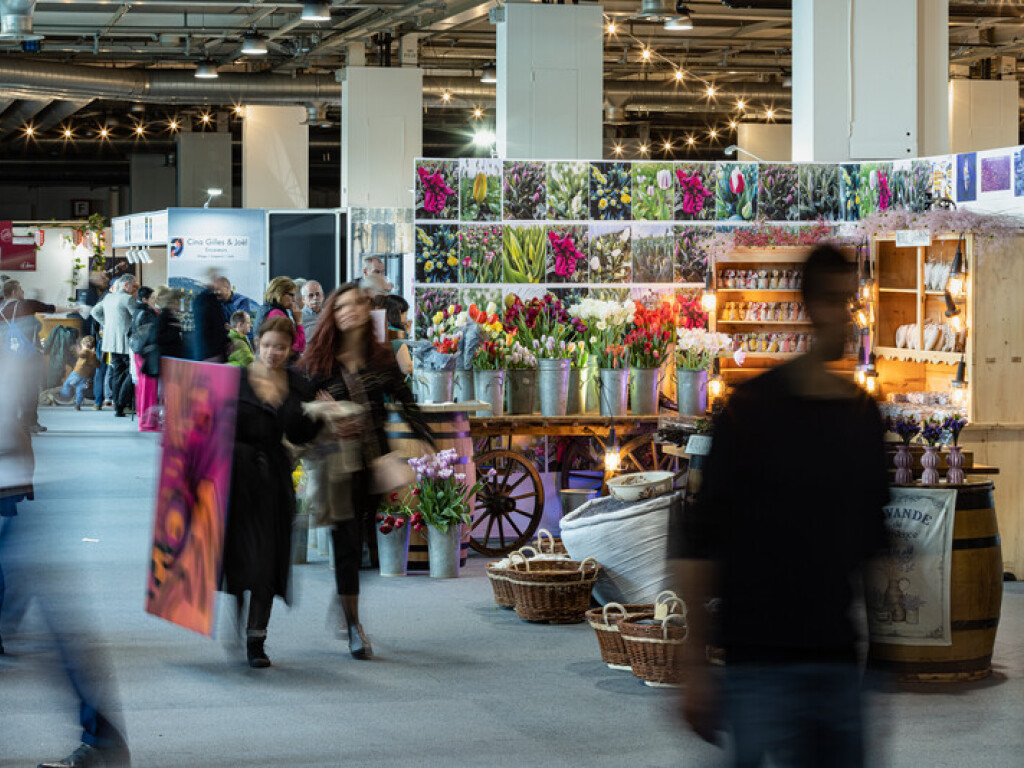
(583, 566)
(664, 594)
(521, 556)
(667, 619)
(616, 606)
(522, 551)
(540, 540)
(673, 601)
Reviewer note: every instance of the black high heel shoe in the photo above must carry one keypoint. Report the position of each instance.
(358, 643)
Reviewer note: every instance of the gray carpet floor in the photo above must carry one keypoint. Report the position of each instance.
(456, 682)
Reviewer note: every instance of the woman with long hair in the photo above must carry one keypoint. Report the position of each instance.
(142, 332)
(257, 544)
(344, 361)
(279, 301)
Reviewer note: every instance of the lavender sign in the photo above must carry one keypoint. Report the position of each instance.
(908, 589)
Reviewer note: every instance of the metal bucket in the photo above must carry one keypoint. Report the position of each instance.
(553, 383)
(489, 387)
(465, 389)
(443, 551)
(692, 392)
(591, 383)
(437, 386)
(574, 498)
(519, 389)
(393, 551)
(577, 393)
(614, 388)
(645, 390)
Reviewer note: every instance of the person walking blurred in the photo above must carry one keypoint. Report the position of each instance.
(784, 549)
(114, 314)
(99, 284)
(210, 337)
(257, 543)
(241, 354)
(141, 337)
(345, 362)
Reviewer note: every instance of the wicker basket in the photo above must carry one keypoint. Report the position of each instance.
(550, 545)
(497, 573)
(553, 590)
(613, 650)
(654, 648)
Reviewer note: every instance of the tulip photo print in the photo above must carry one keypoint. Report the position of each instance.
(437, 190)
(437, 253)
(524, 187)
(611, 188)
(567, 253)
(736, 199)
(480, 190)
(653, 253)
(569, 191)
(480, 253)
(653, 192)
(695, 191)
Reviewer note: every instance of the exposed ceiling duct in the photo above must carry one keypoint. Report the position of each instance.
(21, 113)
(16, 20)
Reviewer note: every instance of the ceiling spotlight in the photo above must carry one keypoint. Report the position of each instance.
(206, 117)
(489, 74)
(67, 133)
(478, 113)
(741, 104)
(769, 113)
(484, 138)
(104, 132)
(617, 149)
(140, 129)
(690, 140)
(316, 11)
(173, 125)
(239, 110)
(733, 124)
(643, 149)
(29, 130)
(612, 29)
(711, 90)
(713, 133)
(254, 44)
(206, 70)
(645, 54)
(681, 23)
(679, 74)
(446, 97)
(668, 146)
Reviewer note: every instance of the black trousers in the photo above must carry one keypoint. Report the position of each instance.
(347, 538)
(122, 390)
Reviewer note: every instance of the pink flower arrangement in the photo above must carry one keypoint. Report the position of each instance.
(435, 190)
(567, 255)
(884, 195)
(694, 193)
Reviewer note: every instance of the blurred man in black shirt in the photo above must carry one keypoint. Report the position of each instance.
(789, 512)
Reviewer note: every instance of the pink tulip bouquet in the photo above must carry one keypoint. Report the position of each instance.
(442, 491)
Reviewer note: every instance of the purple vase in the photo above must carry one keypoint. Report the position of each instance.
(904, 461)
(955, 460)
(930, 462)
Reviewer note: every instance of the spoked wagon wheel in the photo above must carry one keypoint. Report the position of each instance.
(509, 506)
(583, 465)
(642, 454)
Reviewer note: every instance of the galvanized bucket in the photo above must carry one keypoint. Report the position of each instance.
(464, 387)
(490, 388)
(393, 551)
(553, 383)
(614, 387)
(692, 389)
(443, 551)
(645, 390)
(519, 389)
(592, 403)
(437, 386)
(577, 392)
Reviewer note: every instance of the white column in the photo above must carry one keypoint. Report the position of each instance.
(275, 157)
(983, 114)
(550, 80)
(204, 161)
(381, 135)
(767, 141)
(851, 102)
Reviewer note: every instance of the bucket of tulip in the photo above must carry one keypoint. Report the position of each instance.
(394, 519)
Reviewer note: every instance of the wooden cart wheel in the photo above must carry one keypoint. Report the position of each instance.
(583, 465)
(642, 454)
(509, 506)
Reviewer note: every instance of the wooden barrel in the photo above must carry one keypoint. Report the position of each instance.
(975, 599)
(450, 430)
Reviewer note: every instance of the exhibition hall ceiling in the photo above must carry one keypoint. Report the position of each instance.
(127, 68)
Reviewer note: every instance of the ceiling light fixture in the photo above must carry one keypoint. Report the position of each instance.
(478, 113)
(645, 54)
(769, 113)
(316, 11)
(733, 124)
(681, 23)
(67, 133)
(617, 149)
(741, 104)
(206, 117)
(239, 110)
(713, 133)
(489, 74)
(643, 149)
(484, 138)
(211, 193)
(254, 44)
(206, 70)
(679, 74)
(711, 91)
(140, 129)
(446, 97)
(29, 130)
(690, 140)
(173, 125)
(104, 132)
(612, 28)
(667, 146)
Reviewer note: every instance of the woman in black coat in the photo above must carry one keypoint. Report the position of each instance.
(258, 540)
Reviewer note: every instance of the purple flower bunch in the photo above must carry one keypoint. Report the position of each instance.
(905, 427)
(439, 466)
(954, 424)
(932, 431)
(442, 491)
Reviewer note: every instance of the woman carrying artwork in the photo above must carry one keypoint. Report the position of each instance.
(257, 547)
(346, 365)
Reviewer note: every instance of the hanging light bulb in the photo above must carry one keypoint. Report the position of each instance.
(617, 149)
(861, 375)
(954, 315)
(716, 384)
(679, 74)
(958, 387)
(707, 297)
(956, 283)
(871, 382)
(866, 290)
(645, 54)
(612, 458)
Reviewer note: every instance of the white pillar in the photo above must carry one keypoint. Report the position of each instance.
(550, 80)
(275, 158)
(983, 114)
(204, 161)
(381, 135)
(851, 102)
(768, 141)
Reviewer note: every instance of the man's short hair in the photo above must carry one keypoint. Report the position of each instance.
(308, 283)
(239, 316)
(824, 261)
(367, 260)
(10, 288)
(221, 280)
(123, 282)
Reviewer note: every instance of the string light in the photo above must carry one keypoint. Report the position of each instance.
(478, 113)
(206, 117)
(617, 149)
(239, 110)
(446, 97)
(612, 29)
(769, 113)
(67, 133)
(713, 134)
(29, 130)
(173, 125)
(741, 104)
(104, 133)
(645, 54)
(668, 146)
(690, 140)
(679, 74)
(732, 124)
(140, 129)
(643, 149)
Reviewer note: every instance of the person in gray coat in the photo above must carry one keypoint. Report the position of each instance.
(114, 314)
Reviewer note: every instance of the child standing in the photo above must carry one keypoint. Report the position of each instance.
(238, 337)
(80, 378)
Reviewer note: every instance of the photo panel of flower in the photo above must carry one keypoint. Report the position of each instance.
(430, 300)
(819, 195)
(653, 192)
(995, 173)
(611, 188)
(875, 188)
(479, 189)
(568, 191)
(437, 253)
(849, 188)
(778, 197)
(480, 253)
(1018, 173)
(610, 253)
(695, 194)
(482, 296)
(607, 293)
(943, 181)
(524, 191)
(911, 182)
(524, 253)
(437, 190)
(568, 253)
(967, 177)
(653, 253)
(736, 193)
(691, 253)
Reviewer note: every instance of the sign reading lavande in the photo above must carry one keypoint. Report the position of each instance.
(908, 589)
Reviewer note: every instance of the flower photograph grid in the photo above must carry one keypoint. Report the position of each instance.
(437, 253)
(524, 186)
(480, 189)
(437, 189)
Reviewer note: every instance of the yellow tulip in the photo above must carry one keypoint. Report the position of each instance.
(625, 197)
(603, 204)
(438, 318)
(480, 188)
(452, 261)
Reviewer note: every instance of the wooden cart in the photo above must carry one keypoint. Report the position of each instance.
(510, 505)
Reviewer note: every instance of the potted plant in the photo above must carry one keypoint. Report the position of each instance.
(648, 345)
(613, 365)
(445, 335)
(444, 507)
(931, 433)
(953, 426)
(394, 519)
(696, 351)
(521, 379)
(905, 427)
(603, 326)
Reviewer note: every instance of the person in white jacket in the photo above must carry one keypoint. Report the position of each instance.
(114, 314)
